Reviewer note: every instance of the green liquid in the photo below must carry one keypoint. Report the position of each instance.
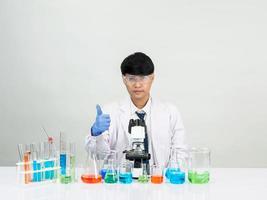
(143, 179)
(198, 178)
(111, 177)
(65, 179)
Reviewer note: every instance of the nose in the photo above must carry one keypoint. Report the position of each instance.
(137, 84)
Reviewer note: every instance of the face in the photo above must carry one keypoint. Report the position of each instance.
(138, 86)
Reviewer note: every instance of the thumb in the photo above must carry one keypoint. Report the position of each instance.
(98, 110)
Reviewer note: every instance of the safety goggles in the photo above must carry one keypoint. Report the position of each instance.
(131, 79)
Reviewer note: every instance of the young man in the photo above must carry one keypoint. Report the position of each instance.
(163, 121)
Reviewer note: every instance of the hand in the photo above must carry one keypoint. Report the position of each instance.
(102, 122)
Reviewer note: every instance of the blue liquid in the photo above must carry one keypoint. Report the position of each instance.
(169, 171)
(50, 173)
(111, 176)
(126, 178)
(63, 164)
(103, 173)
(36, 175)
(177, 177)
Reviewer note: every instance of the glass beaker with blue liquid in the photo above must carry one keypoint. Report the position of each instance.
(176, 168)
(125, 172)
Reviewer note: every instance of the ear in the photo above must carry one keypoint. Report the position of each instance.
(152, 77)
(123, 79)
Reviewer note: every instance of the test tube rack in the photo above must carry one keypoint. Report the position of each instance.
(38, 171)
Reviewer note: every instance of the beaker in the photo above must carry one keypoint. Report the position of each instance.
(199, 165)
(156, 174)
(111, 175)
(91, 169)
(175, 172)
(144, 177)
(125, 172)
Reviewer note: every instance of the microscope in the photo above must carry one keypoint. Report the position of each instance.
(138, 154)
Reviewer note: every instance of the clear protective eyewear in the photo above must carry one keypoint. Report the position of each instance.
(131, 79)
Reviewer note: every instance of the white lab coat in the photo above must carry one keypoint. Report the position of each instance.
(164, 124)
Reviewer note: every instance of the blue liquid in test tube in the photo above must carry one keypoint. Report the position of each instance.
(63, 153)
(36, 165)
(50, 173)
(36, 175)
(63, 164)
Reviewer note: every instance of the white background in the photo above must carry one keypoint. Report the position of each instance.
(58, 58)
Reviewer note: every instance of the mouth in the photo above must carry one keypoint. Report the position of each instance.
(137, 91)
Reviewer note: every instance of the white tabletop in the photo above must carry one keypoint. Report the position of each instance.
(225, 184)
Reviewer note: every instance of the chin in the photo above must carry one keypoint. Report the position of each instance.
(138, 96)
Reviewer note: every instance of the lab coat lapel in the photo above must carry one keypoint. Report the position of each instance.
(124, 118)
(159, 132)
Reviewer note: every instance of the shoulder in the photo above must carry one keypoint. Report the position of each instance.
(164, 105)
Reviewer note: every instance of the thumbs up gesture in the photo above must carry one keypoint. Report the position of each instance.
(102, 122)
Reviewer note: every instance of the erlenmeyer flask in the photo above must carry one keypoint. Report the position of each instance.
(175, 171)
(111, 175)
(91, 169)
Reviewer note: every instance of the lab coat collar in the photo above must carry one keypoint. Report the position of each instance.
(146, 109)
(128, 106)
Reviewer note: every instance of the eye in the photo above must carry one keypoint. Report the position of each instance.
(131, 79)
(142, 78)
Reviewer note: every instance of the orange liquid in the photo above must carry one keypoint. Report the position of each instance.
(26, 159)
(157, 179)
(91, 178)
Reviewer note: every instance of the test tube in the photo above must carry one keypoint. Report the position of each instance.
(48, 163)
(72, 161)
(21, 151)
(63, 153)
(27, 167)
(52, 155)
(36, 165)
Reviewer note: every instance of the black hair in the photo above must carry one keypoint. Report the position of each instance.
(137, 64)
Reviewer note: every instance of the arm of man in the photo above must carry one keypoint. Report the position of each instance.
(99, 135)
